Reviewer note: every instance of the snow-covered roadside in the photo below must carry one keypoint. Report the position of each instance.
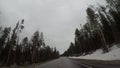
(114, 54)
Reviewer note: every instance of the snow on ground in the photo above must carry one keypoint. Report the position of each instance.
(114, 54)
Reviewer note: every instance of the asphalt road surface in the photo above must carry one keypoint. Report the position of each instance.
(64, 62)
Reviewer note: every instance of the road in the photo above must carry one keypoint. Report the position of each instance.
(64, 62)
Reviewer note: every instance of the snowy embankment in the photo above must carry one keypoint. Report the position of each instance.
(114, 54)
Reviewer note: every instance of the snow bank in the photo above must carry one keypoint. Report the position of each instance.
(114, 54)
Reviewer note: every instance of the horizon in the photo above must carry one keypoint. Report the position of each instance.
(56, 19)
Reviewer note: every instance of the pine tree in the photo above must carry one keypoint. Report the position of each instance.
(4, 37)
(35, 44)
(13, 42)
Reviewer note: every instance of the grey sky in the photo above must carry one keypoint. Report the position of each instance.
(57, 19)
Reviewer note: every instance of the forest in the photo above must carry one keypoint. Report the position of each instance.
(14, 52)
(101, 30)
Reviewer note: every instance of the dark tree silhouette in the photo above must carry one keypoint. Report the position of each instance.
(101, 30)
(12, 51)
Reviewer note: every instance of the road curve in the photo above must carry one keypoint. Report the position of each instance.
(65, 62)
(62, 62)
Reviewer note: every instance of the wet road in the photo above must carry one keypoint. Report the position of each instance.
(60, 63)
(64, 62)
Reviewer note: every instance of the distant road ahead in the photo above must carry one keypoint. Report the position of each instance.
(64, 62)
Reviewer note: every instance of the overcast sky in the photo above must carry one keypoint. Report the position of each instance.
(57, 19)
